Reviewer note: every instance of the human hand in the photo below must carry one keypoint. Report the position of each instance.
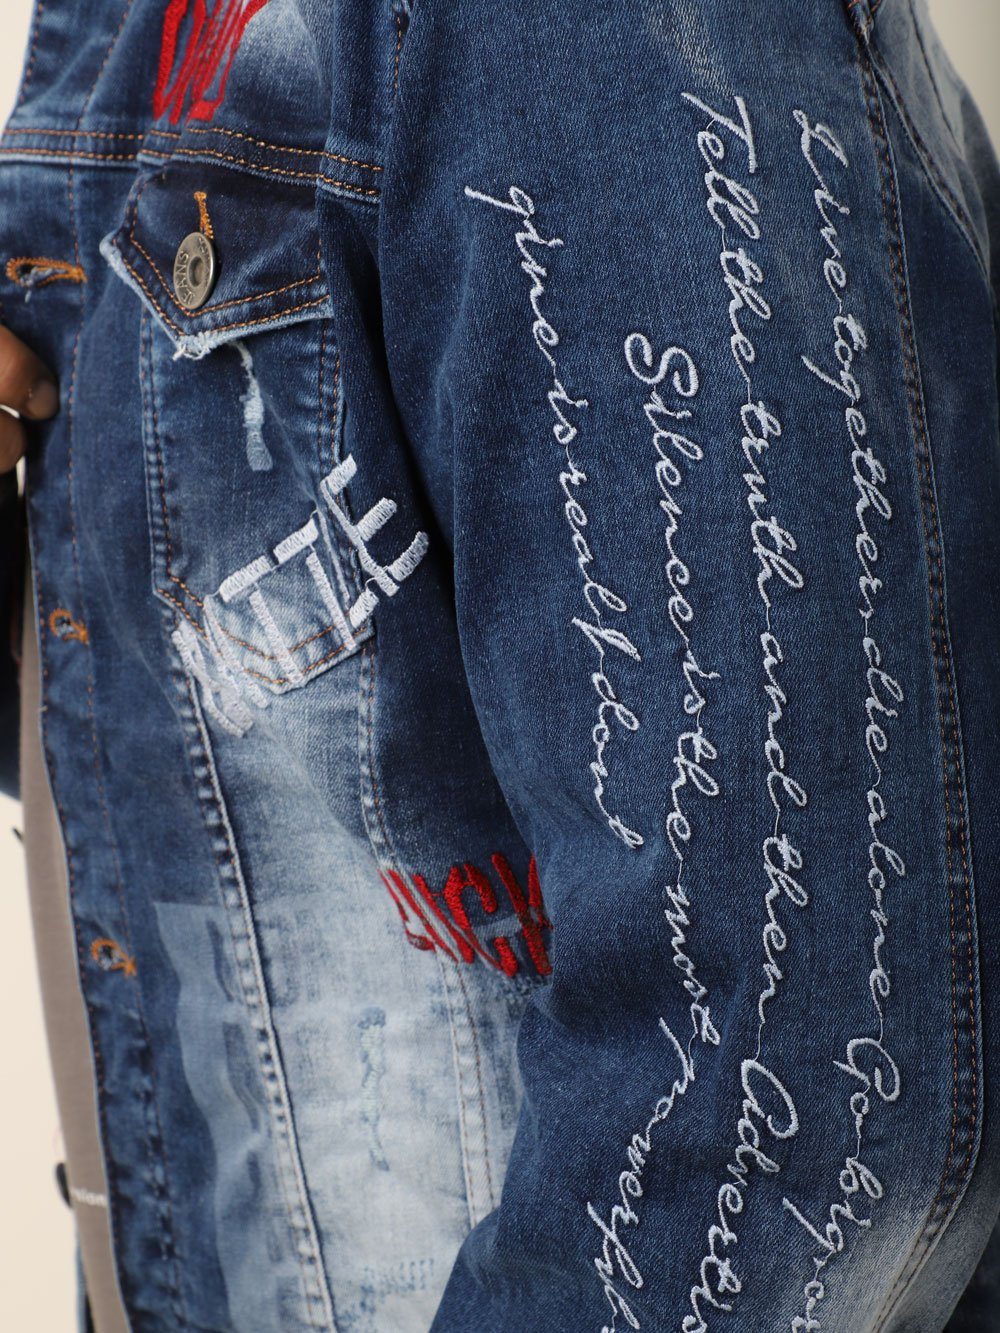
(28, 388)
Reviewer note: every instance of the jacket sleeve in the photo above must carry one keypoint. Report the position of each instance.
(648, 327)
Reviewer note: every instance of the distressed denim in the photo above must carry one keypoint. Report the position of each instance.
(520, 654)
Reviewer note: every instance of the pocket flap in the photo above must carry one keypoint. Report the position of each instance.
(262, 238)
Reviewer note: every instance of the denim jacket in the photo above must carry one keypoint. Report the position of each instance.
(516, 563)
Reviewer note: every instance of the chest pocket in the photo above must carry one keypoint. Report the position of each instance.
(251, 536)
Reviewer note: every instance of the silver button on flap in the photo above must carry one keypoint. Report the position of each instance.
(194, 270)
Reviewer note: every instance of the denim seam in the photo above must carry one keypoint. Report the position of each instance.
(953, 205)
(402, 12)
(104, 63)
(167, 548)
(33, 52)
(869, 9)
(141, 137)
(284, 680)
(332, 407)
(480, 1090)
(385, 851)
(465, 1100)
(399, 46)
(70, 134)
(958, 874)
(279, 148)
(60, 155)
(156, 1154)
(146, 352)
(292, 647)
(201, 153)
(320, 386)
(240, 918)
(235, 901)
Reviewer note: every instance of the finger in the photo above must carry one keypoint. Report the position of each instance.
(26, 383)
(12, 441)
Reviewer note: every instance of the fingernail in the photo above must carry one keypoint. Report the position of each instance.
(43, 400)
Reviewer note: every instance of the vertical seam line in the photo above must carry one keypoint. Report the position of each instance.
(951, 747)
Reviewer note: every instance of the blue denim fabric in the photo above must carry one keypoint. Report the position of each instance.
(545, 595)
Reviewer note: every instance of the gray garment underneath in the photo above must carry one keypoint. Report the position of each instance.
(62, 1003)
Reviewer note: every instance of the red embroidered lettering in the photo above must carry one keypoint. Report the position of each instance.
(465, 877)
(192, 86)
(531, 914)
(428, 925)
(432, 940)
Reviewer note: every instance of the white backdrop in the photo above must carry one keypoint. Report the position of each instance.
(36, 1242)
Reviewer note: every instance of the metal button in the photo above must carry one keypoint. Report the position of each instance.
(194, 270)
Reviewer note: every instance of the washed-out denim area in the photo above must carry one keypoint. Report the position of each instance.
(521, 640)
